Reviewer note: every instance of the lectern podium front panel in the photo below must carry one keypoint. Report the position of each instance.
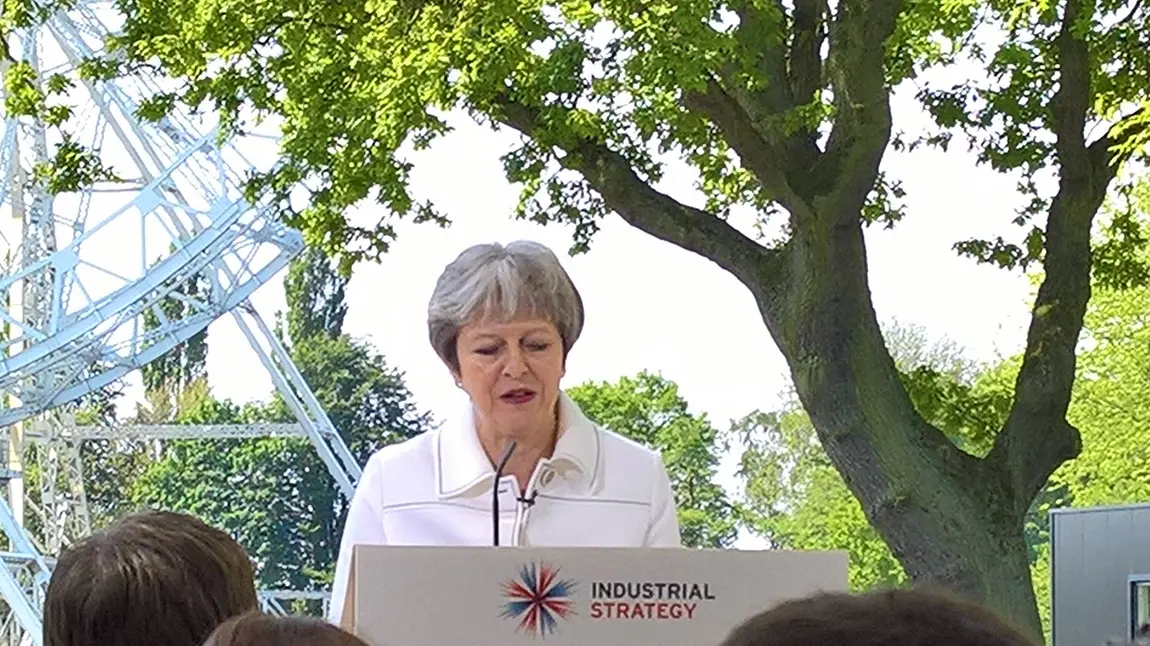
(489, 596)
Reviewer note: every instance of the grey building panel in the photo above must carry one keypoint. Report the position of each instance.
(1094, 554)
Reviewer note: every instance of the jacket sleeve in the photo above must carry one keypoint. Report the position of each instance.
(664, 528)
(364, 526)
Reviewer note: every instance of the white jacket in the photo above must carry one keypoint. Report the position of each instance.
(599, 489)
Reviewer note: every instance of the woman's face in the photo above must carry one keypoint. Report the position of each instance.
(511, 371)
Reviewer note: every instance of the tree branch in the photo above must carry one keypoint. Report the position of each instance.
(1036, 438)
(1071, 102)
(862, 126)
(762, 31)
(652, 212)
(764, 158)
(1114, 148)
(806, 70)
(805, 78)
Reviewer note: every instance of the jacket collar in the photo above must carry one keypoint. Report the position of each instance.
(461, 464)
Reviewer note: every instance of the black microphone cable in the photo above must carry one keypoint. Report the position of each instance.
(495, 492)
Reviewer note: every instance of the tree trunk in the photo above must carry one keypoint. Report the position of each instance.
(991, 564)
(949, 520)
(955, 538)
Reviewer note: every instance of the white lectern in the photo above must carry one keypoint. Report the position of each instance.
(503, 596)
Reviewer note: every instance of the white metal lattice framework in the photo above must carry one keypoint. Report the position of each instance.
(79, 273)
(63, 432)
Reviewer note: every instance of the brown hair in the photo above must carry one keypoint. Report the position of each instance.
(151, 578)
(265, 630)
(887, 618)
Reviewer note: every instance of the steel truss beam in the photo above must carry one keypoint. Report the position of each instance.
(68, 431)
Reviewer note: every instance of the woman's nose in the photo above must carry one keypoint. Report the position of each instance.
(515, 365)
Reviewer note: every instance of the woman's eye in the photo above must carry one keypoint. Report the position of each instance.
(487, 351)
(538, 347)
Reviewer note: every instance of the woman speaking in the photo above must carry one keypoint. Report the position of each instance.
(521, 465)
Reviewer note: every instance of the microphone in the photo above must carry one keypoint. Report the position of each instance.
(529, 500)
(495, 492)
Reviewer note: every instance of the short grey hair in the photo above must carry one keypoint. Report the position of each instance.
(523, 278)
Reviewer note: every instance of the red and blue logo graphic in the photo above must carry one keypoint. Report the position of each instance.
(538, 599)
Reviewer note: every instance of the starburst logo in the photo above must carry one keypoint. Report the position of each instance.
(538, 599)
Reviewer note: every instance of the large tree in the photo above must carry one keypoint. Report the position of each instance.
(649, 409)
(782, 108)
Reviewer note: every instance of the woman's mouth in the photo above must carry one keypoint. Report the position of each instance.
(518, 396)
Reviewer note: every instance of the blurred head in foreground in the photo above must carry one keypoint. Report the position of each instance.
(151, 578)
(265, 630)
(887, 618)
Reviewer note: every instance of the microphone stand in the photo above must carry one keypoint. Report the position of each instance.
(495, 492)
